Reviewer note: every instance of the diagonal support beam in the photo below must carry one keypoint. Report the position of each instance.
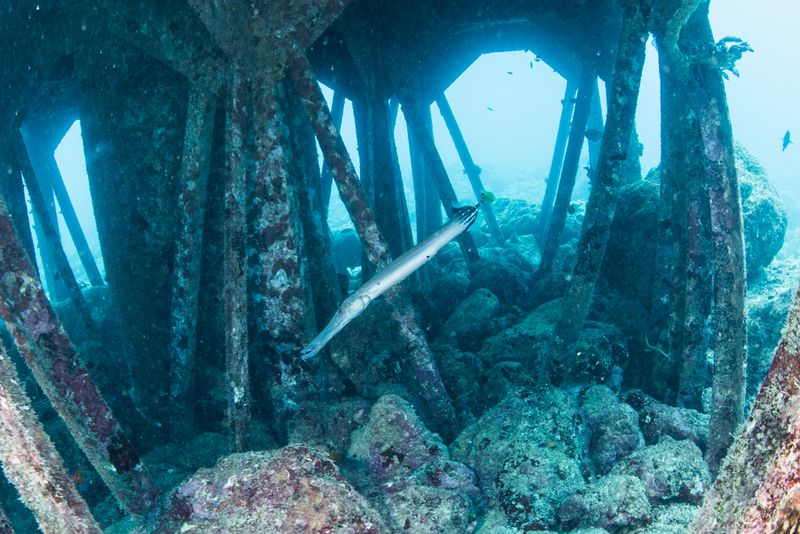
(32, 463)
(427, 146)
(337, 112)
(50, 234)
(55, 364)
(564, 123)
(569, 173)
(472, 171)
(195, 163)
(375, 246)
(605, 189)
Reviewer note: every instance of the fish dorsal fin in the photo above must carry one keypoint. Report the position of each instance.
(460, 211)
(464, 214)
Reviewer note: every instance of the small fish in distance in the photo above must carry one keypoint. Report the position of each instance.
(787, 140)
(394, 273)
(489, 108)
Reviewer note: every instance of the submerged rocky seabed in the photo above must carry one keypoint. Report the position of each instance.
(599, 453)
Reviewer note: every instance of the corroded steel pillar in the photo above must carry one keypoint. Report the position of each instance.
(44, 344)
(32, 463)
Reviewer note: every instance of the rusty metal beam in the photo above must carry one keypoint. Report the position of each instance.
(192, 194)
(32, 463)
(49, 353)
(326, 178)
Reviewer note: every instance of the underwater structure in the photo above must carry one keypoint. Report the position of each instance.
(201, 121)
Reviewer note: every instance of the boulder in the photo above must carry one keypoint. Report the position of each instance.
(472, 321)
(426, 509)
(617, 503)
(671, 471)
(328, 426)
(614, 428)
(394, 442)
(515, 430)
(657, 420)
(290, 490)
(530, 488)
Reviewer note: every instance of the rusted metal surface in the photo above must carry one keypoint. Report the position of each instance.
(12, 190)
(472, 171)
(426, 198)
(47, 349)
(375, 247)
(193, 189)
(32, 463)
(235, 263)
(757, 486)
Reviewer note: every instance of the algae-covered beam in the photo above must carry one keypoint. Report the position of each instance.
(728, 262)
(237, 370)
(757, 487)
(472, 171)
(426, 199)
(278, 295)
(192, 193)
(51, 236)
(569, 172)
(567, 106)
(614, 152)
(49, 353)
(377, 250)
(415, 118)
(326, 179)
(13, 191)
(32, 463)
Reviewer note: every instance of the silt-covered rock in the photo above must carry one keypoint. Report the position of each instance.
(671, 471)
(614, 426)
(472, 321)
(290, 490)
(615, 503)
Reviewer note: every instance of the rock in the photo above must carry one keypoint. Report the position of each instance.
(448, 291)
(677, 515)
(671, 471)
(657, 420)
(448, 475)
(768, 302)
(524, 342)
(530, 488)
(459, 371)
(328, 426)
(290, 490)
(615, 503)
(763, 212)
(628, 265)
(600, 352)
(472, 321)
(394, 442)
(614, 426)
(495, 522)
(514, 430)
(505, 279)
(428, 510)
(503, 378)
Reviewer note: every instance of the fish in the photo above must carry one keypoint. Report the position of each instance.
(787, 140)
(489, 108)
(394, 273)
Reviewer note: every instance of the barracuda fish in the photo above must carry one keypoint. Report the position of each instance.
(394, 273)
